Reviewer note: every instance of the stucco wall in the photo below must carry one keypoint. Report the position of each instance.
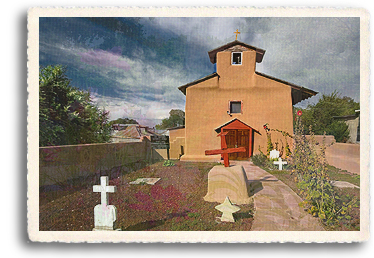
(60, 163)
(264, 101)
(352, 127)
(177, 142)
(345, 156)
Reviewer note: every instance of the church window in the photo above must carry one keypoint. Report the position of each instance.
(236, 58)
(235, 107)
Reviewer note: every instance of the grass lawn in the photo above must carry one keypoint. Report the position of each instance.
(337, 175)
(173, 203)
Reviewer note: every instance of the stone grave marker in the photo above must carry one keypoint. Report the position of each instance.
(227, 209)
(274, 154)
(280, 163)
(149, 181)
(105, 215)
(228, 181)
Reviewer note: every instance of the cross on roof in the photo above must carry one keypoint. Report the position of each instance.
(237, 33)
(104, 188)
(280, 163)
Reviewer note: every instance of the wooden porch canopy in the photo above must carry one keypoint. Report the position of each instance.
(235, 124)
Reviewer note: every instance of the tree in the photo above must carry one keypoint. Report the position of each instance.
(176, 118)
(123, 121)
(67, 115)
(320, 116)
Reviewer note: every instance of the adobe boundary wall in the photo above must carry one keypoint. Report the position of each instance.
(58, 164)
(345, 156)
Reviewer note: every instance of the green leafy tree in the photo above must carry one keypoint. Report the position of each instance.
(176, 118)
(67, 115)
(320, 116)
(123, 121)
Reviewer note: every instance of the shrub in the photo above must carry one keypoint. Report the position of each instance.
(168, 163)
(310, 167)
(259, 159)
(270, 146)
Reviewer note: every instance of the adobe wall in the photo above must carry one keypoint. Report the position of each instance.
(345, 156)
(329, 139)
(58, 164)
(177, 143)
(352, 128)
(207, 103)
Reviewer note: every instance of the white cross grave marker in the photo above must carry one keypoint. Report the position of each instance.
(280, 163)
(104, 188)
(105, 215)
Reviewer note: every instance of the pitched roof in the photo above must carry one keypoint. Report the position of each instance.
(213, 53)
(234, 121)
(184, 87)
(131, 131)
(298, 93)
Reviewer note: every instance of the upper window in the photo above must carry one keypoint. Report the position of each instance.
(235, 107)
(236, 58)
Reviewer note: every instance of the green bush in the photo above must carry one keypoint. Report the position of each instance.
(259, 159)
(262, 161)
(168, 163)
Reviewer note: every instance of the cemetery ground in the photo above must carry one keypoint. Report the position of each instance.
(174, 203)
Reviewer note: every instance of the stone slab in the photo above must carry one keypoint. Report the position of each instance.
(149, 181)
(343, 184)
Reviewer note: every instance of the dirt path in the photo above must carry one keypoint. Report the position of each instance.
(276, 205)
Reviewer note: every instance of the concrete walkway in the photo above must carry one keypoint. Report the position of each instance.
(276, 205)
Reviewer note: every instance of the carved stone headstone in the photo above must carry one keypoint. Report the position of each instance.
(227, 209)
(105, 215)
(228, 181)
(274, 154)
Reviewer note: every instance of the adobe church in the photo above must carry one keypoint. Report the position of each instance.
(238, 100)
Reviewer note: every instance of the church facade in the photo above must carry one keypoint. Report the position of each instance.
(238, 100)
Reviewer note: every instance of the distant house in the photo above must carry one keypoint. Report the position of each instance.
(238, 100)
(353, 122)
(133, 133)
(119, 127)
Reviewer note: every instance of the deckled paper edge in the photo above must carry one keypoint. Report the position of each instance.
(201, 236)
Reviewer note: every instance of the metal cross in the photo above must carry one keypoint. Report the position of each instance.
(237, 33)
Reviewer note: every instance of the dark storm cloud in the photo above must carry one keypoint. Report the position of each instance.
(322, 54)
(140, 62)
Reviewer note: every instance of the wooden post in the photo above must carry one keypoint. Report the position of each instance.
(250, 142)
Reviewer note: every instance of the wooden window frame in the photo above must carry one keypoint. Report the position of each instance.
(232, 58)
(236, 101)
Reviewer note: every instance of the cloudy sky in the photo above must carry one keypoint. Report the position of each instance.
(133, 66)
